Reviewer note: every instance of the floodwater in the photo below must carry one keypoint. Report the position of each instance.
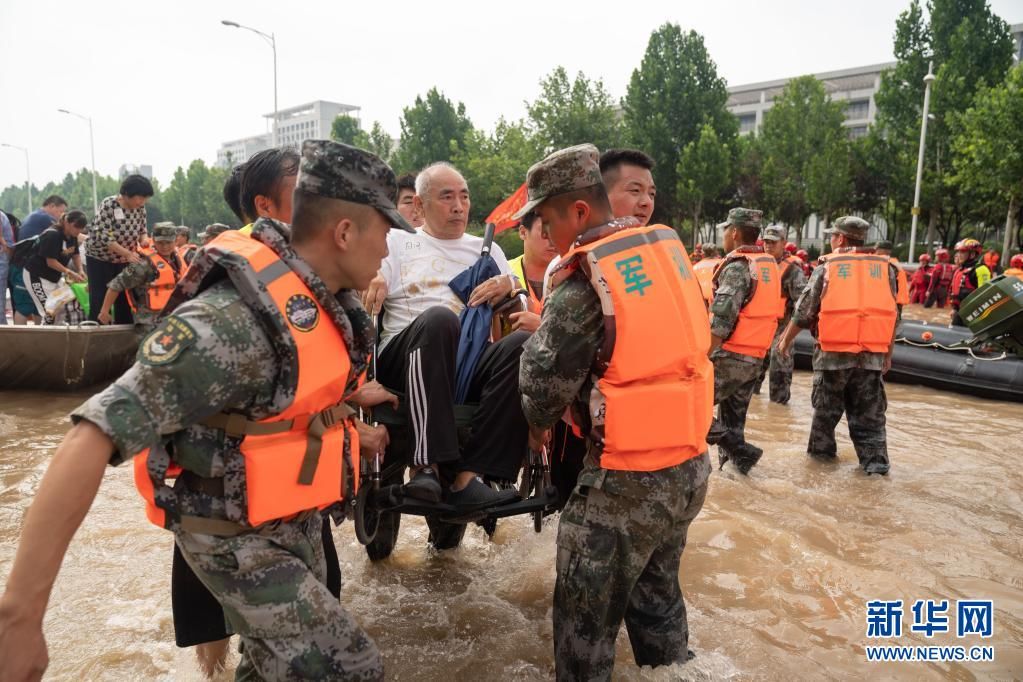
(776, 575)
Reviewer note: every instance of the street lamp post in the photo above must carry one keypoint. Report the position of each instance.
(928, 79)
(28, 172)
(273, 45)
(92, 154)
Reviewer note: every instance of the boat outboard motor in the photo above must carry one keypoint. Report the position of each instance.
(994, 313)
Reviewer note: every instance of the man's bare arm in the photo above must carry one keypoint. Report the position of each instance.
(64, 497)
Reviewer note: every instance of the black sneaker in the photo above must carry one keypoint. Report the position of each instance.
(424, 486)
(478, 495)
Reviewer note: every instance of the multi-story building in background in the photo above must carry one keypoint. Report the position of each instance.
(295, 124)
(127, 169)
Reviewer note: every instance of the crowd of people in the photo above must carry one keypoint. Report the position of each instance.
(240, 415)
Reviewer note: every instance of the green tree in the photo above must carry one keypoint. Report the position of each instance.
(989, 149)
(569, 113)
(495, 165)
(379, 142)
(194, 197)
(804, 148)
(432, 129)
(673, 93)
(704, 171)
(346, 129)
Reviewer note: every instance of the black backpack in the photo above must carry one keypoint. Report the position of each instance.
(23, 251)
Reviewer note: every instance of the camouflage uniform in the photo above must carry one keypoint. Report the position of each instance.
(779, 369)
(621, 535)
(137, 276)
(735, 375)
(845, 382)
(213, 353)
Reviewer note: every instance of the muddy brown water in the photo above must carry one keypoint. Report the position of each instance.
(776, 575)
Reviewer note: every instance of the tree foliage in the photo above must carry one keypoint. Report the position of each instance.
(704, 171)
(195, 197)
(495, 165)
(675, 91)
(569, 113)
(432, 129)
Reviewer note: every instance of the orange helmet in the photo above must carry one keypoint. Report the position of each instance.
(1016, 261)
(924, 258)
(942, 255)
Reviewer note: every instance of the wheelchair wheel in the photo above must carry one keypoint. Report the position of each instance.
(367, 521)
(445, 535)
(386, 537)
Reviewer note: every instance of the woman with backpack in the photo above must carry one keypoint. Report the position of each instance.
(46, 268)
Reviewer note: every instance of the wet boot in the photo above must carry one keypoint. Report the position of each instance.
(745, 457)
(875, 462)
(728, 443)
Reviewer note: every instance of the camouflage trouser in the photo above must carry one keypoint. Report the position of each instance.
(778, 369)
(734, 381)
(271, 584)
(859, 393)
(618, 559)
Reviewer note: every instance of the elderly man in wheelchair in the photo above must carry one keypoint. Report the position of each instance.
(464, 459)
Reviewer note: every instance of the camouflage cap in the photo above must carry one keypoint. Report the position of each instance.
(340, 171)
(851, 226)
(563, 171)
(884, 244)
(775, 233)
(745, 217)
(213, 230)
(164, 232)
(184, 230)
(163, 223)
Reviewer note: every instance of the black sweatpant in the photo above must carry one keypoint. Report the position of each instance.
(100, 272)
(420, 362)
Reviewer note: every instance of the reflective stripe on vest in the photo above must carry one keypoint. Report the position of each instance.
(902, 297)
(858, 310)
(704, 271)
(293, 460)
(654, 374)
(758, 319)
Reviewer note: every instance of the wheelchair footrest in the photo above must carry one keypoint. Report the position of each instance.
(391, 498)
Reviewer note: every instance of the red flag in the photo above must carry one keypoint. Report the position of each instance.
(502, 215)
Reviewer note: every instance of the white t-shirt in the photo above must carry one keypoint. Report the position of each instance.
(417, 270)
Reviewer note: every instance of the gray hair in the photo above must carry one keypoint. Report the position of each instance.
(426, 175)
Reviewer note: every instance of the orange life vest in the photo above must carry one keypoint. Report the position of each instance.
(159, 291)
(653, 372)
(704, 271)
(1013, 272)
(186, 249)
(858, 310)
(758, 318)
(902, 297)
(294, 460)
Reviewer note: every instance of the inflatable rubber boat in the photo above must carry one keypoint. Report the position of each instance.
(64, 358)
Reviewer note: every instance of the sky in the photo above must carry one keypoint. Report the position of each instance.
(166, 82)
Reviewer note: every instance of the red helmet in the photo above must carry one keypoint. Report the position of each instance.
(942, 255)
(969, 244)
(924, 258)
(803, 254)
(790, 247)
(760, 242)
(1016, 261)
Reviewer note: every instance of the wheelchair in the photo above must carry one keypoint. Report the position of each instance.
(381, 502)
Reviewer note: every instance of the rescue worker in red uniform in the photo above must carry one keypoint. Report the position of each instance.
(970, 274)
(641, 391)
(148, 281)
(241, 391)
(921, 281)
(804, 256)
(941, 280)
(744, 316)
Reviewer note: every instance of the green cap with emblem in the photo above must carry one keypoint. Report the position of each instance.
(184, 230)
(850, 226)
(775, 233)
(563, 171)
(745, 217)
(340, 171)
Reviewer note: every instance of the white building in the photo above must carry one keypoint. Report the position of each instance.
(295, 124)
(856, 87)
(127, 169)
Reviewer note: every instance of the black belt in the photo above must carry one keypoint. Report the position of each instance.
(200, 484)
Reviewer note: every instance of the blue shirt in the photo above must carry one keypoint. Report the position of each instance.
(35, 223)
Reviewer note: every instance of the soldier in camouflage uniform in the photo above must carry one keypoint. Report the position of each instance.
(137, 277)
(214, 353)
(844, 382)
(735, 374)
(793, 281)
(622, 533)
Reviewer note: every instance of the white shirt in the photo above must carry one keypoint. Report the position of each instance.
(417, 270)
